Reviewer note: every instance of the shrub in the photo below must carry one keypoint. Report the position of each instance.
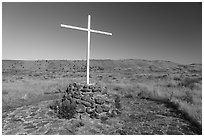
(117, 102)
(188, 97)
(64, 110)
(189, 82)
(67, 111)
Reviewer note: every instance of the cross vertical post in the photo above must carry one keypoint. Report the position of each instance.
(88, 49)
(89, 30)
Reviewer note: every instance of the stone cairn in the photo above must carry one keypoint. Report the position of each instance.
(83, 99)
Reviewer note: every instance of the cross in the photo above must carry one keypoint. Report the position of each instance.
(89, 30)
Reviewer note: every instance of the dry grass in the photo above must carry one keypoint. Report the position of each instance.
(185, 95)
(188, 98)
(19, 93)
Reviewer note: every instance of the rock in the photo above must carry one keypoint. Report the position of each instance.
(66, 97)
(94, 115)
(87, 98)
(86, 90)
(76, 95)
(71, 87)
(90, 94)
(78, 101)
(96, 89)
(99, 100)
(68, 90)
(87, 104)
(91, 86)
(105, 108)
(80, 108)
(74, 84)
(85, 86)
(75, 89)
(103, 117)
(99, 109)
(79, 87)
(89, 90)
(112, 113)
(89, 110)
(63, 98)
(73, 101)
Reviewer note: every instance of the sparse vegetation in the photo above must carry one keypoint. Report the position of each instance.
(189, 82)
(177, 87)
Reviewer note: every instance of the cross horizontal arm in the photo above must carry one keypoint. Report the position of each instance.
(101, 32)
(73, 27)
(84, 29)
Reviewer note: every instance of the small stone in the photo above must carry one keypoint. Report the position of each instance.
(87, 104)
(80, 109)
(85, 86)
(103, 117)
(78, 86)
(94, 115)
(105, 108)
(79, 124)
(68, 97)
(91, 87)
(73, 101)
(90, 94)
(99, 100)
(104, 92)
(87, 98)
(85, 90)
(89, 110)
(96, 90)
(76, 95)
(78, 101)
(71, 87)
(74, 84)
(99, 109)
(113, 113)
(75, 89)
(89, 90)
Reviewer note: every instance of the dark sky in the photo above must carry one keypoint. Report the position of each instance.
(152, 31)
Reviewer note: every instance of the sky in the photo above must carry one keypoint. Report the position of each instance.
(151, 31)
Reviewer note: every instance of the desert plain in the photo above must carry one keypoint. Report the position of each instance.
(144, 96)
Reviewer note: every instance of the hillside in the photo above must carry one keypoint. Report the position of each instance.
(96, 65)
(144, 97)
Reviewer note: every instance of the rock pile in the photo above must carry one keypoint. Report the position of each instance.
(83, 99)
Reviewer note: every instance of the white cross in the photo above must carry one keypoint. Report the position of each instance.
(89, 30)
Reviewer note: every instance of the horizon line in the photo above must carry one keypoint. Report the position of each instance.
(96, 59)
